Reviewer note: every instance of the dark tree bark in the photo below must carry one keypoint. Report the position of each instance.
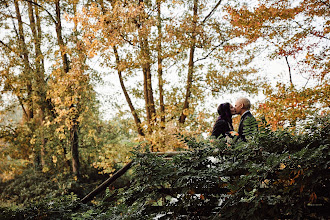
(160, 67)
(128, 99)
(146, 69)
(74, 138)
(75, 147)
(190, 65)
(65, 60)
(40, 84)
(27, 69)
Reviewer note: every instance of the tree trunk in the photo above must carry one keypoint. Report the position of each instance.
(146, 100)
(190, 66)
(128, 99)
(74, 138)
(122, 84)
(146, 68)
(28, 79)
(160, 67)
(40, 85)
(75, 147)
(289, 68)
(148, 92)
(60, 41)
(27, 68)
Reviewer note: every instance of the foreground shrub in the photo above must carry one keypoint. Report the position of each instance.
(273, 175)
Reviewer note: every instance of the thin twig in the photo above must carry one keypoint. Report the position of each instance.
(311, 32)
(210, 52)
(51, 16)
(327, 4)
(212, 11)
(287, 62)
(9, 48)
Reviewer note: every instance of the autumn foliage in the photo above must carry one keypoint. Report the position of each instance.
(168, 62)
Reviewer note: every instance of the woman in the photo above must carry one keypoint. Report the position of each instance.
(223, 124)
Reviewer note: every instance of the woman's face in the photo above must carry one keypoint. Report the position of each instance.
(232, 110)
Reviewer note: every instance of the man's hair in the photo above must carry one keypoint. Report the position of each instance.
(246, 102)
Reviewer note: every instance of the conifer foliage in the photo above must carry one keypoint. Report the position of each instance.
(272, 175)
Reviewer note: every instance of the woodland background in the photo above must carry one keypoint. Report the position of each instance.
(168, 59)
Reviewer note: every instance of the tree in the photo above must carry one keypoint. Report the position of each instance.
(142, 40)
(299, 31)
(55, 99)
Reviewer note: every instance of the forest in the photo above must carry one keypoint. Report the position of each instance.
(97, 89)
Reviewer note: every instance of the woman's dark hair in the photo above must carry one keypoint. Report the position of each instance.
(224, 112)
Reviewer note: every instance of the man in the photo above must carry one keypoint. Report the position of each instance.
(242, 107)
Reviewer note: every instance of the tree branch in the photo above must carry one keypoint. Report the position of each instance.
(203, 58)
(323, 2)
(212, 11)
(313, 33)
(128, 41)
(9, 48)
(287, 62)
(51, 16)
(20, 100)
(106, 183)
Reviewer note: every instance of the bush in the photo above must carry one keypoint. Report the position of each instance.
(272, 175)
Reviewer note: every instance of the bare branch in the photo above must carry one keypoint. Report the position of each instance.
(9, 48)
(325, 3)
(50, 15)
(287, 62)
(212, 11)
(20, 100)
(312, 32)
(128, 41)
(213, 49)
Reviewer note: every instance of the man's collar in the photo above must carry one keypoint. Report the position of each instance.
(245, 113)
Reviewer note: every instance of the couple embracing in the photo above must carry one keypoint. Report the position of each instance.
(223, 126)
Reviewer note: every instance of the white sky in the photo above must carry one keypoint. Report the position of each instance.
(276, 71)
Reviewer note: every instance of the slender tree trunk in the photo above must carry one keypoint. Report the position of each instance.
(60, 41)
(146, 100)
(146, 68)
(122, 84)
(75, 147)
(28, 78)
(160, 67)
(74, 133)
(27, 68)
(40, 85)
(128, 99)
(74, 138)
(190, 66)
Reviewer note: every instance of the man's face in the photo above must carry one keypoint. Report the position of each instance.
(238, 107)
